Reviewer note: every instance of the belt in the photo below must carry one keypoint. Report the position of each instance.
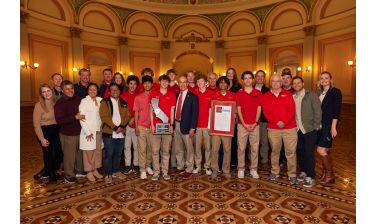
(177, 120)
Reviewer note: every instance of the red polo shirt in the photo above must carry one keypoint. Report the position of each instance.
(142, 106)
(249, 103)
(229, 96)
(166, 102)
(155, 87)
(174, 89)
(204, 105)
(129, 98)
(193, 89)
(279, 108)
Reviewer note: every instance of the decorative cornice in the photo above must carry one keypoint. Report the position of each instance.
(77, 4)
(218, 19)
(219, 43)
(24, 16)
(261, 13)
(123, 41)
(75, 32)
(167, 19)
(309, 30)
(165, 44)
(262, 39)
(192, 39)
(214, 1)
(123, 13)
(182, 2)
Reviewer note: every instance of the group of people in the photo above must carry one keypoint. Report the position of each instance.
(83, 127)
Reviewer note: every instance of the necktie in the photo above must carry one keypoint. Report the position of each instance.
(179, 107)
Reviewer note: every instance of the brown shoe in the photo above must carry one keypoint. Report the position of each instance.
(179, 172)
(90, 176)
(97, 174)
(118, 175)
(186, 175)
(323, 176)
(329, 175)
(108, 179)
(227, 175)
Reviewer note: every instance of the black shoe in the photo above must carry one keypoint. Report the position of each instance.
(136, 169)
(70, 180)
(127, 170)
(58, 176)
(41, 175)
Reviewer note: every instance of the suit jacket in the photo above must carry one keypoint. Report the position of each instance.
(331, 105)
(262, 117)
(189, 113)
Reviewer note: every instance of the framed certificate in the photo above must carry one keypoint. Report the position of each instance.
(222, 117)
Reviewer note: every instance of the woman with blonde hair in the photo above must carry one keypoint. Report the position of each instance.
(331, 99)
(47, 131)
(90, 141)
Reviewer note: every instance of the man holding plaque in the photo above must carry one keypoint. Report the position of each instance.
(162, 119)
(223, 95)
(186, 123)
(249, 102)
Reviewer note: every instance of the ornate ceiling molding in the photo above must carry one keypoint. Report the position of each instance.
(218, 19)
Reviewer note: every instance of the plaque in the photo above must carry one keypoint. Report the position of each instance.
(222, 117)
(160, 128)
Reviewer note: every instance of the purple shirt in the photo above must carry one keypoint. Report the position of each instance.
(65, 110)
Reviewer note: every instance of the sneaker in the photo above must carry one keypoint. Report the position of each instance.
(70, 180)
(273, 177)
(143, 175)
(41, 175)
(108, 179)
(179, 172)
(301, 177)
(119, 175)
(309, 182)
(80, 174)
(254, 174)
(149, 171)
(227, 175)
(127, 170)
(197, 170)
(293, 180)
(136, 169)
(155, 177)
(241, 174)
(166, 176)
(208, 171)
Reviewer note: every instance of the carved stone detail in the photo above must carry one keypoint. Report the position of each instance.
(24, 16)
(123, 41)
(309, 30)
(165, 44)
(220, 43)
(262, 39)
(75, 32)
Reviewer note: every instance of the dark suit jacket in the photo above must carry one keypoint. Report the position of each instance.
(189, 113)
(263, 90)
(331, 105)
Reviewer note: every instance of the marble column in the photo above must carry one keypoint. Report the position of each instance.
(308, 57)
(124, 56)
(77, 52)
(165, 57)
(219, 65)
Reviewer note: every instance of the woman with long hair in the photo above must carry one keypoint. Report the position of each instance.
(90, 141)
(119, 79)
(47, 131)
(331, 99)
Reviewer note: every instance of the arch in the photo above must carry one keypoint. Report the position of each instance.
(103, 10)
(193, 60)
(276, 13)
(240, 17)
(95, 16)
(276, 52)
(325, 9)
(59, 11)
(192, 27)
(144, 17)
(185, 21)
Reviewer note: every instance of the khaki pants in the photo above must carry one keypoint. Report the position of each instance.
(144, 142)
(264, 148)
(243, 137)
(129, 139)
(289, 138)
(202, 132)
(73, 161)
(163, 141)
(92, 159)
(227, 143)
(180, 141)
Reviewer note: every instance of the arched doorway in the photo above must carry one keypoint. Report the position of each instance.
(193, 61)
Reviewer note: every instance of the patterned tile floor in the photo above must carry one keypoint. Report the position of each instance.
(197, 200)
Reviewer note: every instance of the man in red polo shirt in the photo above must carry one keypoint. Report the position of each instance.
(212, 78)
(129, 96)
(167, 103)
(191, 81)
(204, 105)
(249, 102)
(104, 86)
(223, 95)
(279, 109)
(148, 72)
(173, 87)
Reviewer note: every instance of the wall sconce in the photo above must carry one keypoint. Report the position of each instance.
(75, 69)
(308, 68)
(24, 65)
(351, 63)
(254, 72)
(299, 69)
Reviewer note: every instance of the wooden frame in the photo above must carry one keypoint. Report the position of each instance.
(227, 125)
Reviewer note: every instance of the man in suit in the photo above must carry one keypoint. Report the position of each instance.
(186, 123)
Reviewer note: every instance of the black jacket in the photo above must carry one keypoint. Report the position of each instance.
(262, 117)
(331, 105)
(189, 113)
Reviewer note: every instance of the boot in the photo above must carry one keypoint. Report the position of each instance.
(330, 176)
(90, 176)
(321, 178)
(97, 174)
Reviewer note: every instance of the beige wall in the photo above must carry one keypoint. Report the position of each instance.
(290, 35)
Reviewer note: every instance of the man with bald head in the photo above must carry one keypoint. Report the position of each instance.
(279, 109)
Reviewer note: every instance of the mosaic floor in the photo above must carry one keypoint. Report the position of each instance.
(197, 200)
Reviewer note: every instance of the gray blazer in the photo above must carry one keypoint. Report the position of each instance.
(311, 112)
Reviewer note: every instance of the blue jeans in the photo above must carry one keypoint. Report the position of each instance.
(113, 148)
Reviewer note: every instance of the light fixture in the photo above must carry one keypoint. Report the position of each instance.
(130, 73)
(223, 74)
(121, 72)
(24, 65)
(299, 69)
(254, 72)
(75, 69)
(351, 63)
(308, 68)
